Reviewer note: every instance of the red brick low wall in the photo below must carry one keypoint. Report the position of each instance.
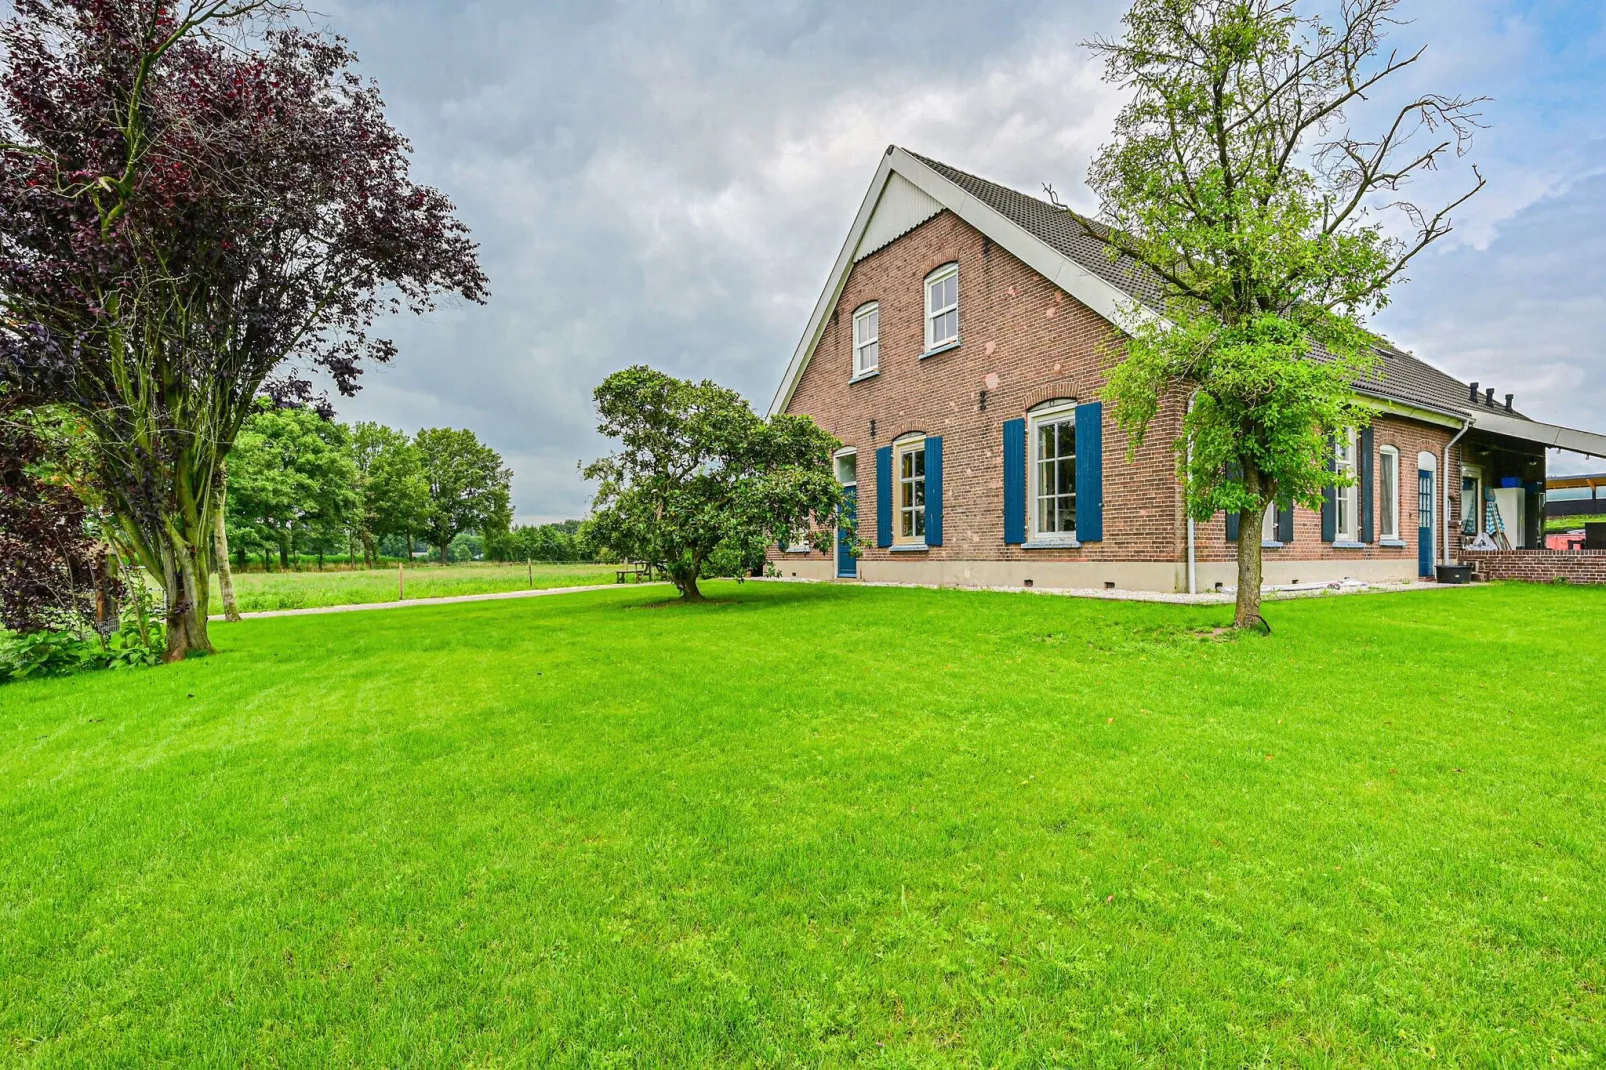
(1538, 566)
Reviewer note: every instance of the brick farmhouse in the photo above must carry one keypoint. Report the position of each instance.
(959, 351)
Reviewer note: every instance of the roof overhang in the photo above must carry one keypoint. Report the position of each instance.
(1108, 301)
(1551, 436)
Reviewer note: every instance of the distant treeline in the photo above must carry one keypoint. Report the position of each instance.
(302, 488)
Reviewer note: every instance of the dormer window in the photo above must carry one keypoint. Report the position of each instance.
(866, 339)
(942, 307)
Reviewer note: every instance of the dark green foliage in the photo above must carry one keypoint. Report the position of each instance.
(468, 486)
(392, 493)
(699, 477)
(292, 484)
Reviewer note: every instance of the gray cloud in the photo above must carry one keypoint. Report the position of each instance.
(669, 183)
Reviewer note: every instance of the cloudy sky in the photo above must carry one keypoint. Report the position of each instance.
(669, 182)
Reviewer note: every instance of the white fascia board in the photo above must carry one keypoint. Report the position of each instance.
(1553, 436)
(833, 288)
(1414, 412)
(1116, 306)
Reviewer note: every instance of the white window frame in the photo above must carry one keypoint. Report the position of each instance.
(1346, 502)
(864, 314)
(849, 453)
(941, 275)
(902, 448)
(1053, 412)
(1388, 498)
(1473, 472)
(1268, 527)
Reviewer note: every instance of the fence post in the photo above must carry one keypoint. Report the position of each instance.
(401, 582)
(530, 569)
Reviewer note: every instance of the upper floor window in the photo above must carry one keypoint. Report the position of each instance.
(866, 339)
(1347, 512)
(1054, 472)
(1388, 493)
(942, 306)
(909, 464)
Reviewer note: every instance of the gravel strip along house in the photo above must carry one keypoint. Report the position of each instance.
(959, 350)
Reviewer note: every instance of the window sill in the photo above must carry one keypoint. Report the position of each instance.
(945, 347)
(909, 548)
(1051, 544)
(862, 376)
(1347, 544)
(1392, 544)
(1265, 545)
(799, 549)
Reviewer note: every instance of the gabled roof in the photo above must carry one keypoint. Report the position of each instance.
(1053, 242)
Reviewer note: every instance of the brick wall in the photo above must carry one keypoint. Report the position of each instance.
(1538, 566)
(1025, 341)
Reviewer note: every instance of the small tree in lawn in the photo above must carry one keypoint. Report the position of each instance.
(1236, 181)
(697, 471)
(469, 489)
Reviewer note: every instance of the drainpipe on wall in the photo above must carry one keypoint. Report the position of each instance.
(1449, 533)
(1193, 565)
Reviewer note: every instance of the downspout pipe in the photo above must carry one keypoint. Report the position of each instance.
(1448, 532)
(1193, 560)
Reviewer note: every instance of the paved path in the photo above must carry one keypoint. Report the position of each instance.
(497, 597)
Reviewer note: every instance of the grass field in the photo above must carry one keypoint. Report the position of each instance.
(816, 826)
(302, 590)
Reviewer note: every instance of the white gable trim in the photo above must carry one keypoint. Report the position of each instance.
(1108, 301)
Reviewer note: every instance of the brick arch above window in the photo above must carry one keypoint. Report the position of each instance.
(1061, 390)
(945, 258)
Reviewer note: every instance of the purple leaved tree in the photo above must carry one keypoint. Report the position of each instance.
(198, 202)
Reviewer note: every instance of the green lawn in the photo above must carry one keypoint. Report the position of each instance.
(300, 590)
(816, 826)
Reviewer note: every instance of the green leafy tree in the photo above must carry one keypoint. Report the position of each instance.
(699, 473)
(291, 481)
(469, 489)
(1236, 182)
(392, 493)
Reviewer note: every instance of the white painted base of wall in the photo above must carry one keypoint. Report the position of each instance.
(1161, 576)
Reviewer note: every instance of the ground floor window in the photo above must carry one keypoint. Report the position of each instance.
(1388, 493)
(1347, 511)
(1053, 438)
(909, 460)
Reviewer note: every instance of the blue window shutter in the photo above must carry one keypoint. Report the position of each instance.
(1365, 473)
(1232, 527)
(1285, 523)
(883, 496)
(1014, 482)
(1090, 472)
(934, 491)
(1330, 495)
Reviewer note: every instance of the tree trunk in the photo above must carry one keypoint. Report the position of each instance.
(185, 570)
(446, 557)
(225, 574)
(284, 552)
(1247, 612)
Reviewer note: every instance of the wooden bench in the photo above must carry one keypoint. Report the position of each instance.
(634, 569)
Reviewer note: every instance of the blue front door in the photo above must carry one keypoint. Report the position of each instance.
(847, 565)
(1424, 523)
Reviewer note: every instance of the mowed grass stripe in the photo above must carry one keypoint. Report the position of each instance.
(813, 825)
